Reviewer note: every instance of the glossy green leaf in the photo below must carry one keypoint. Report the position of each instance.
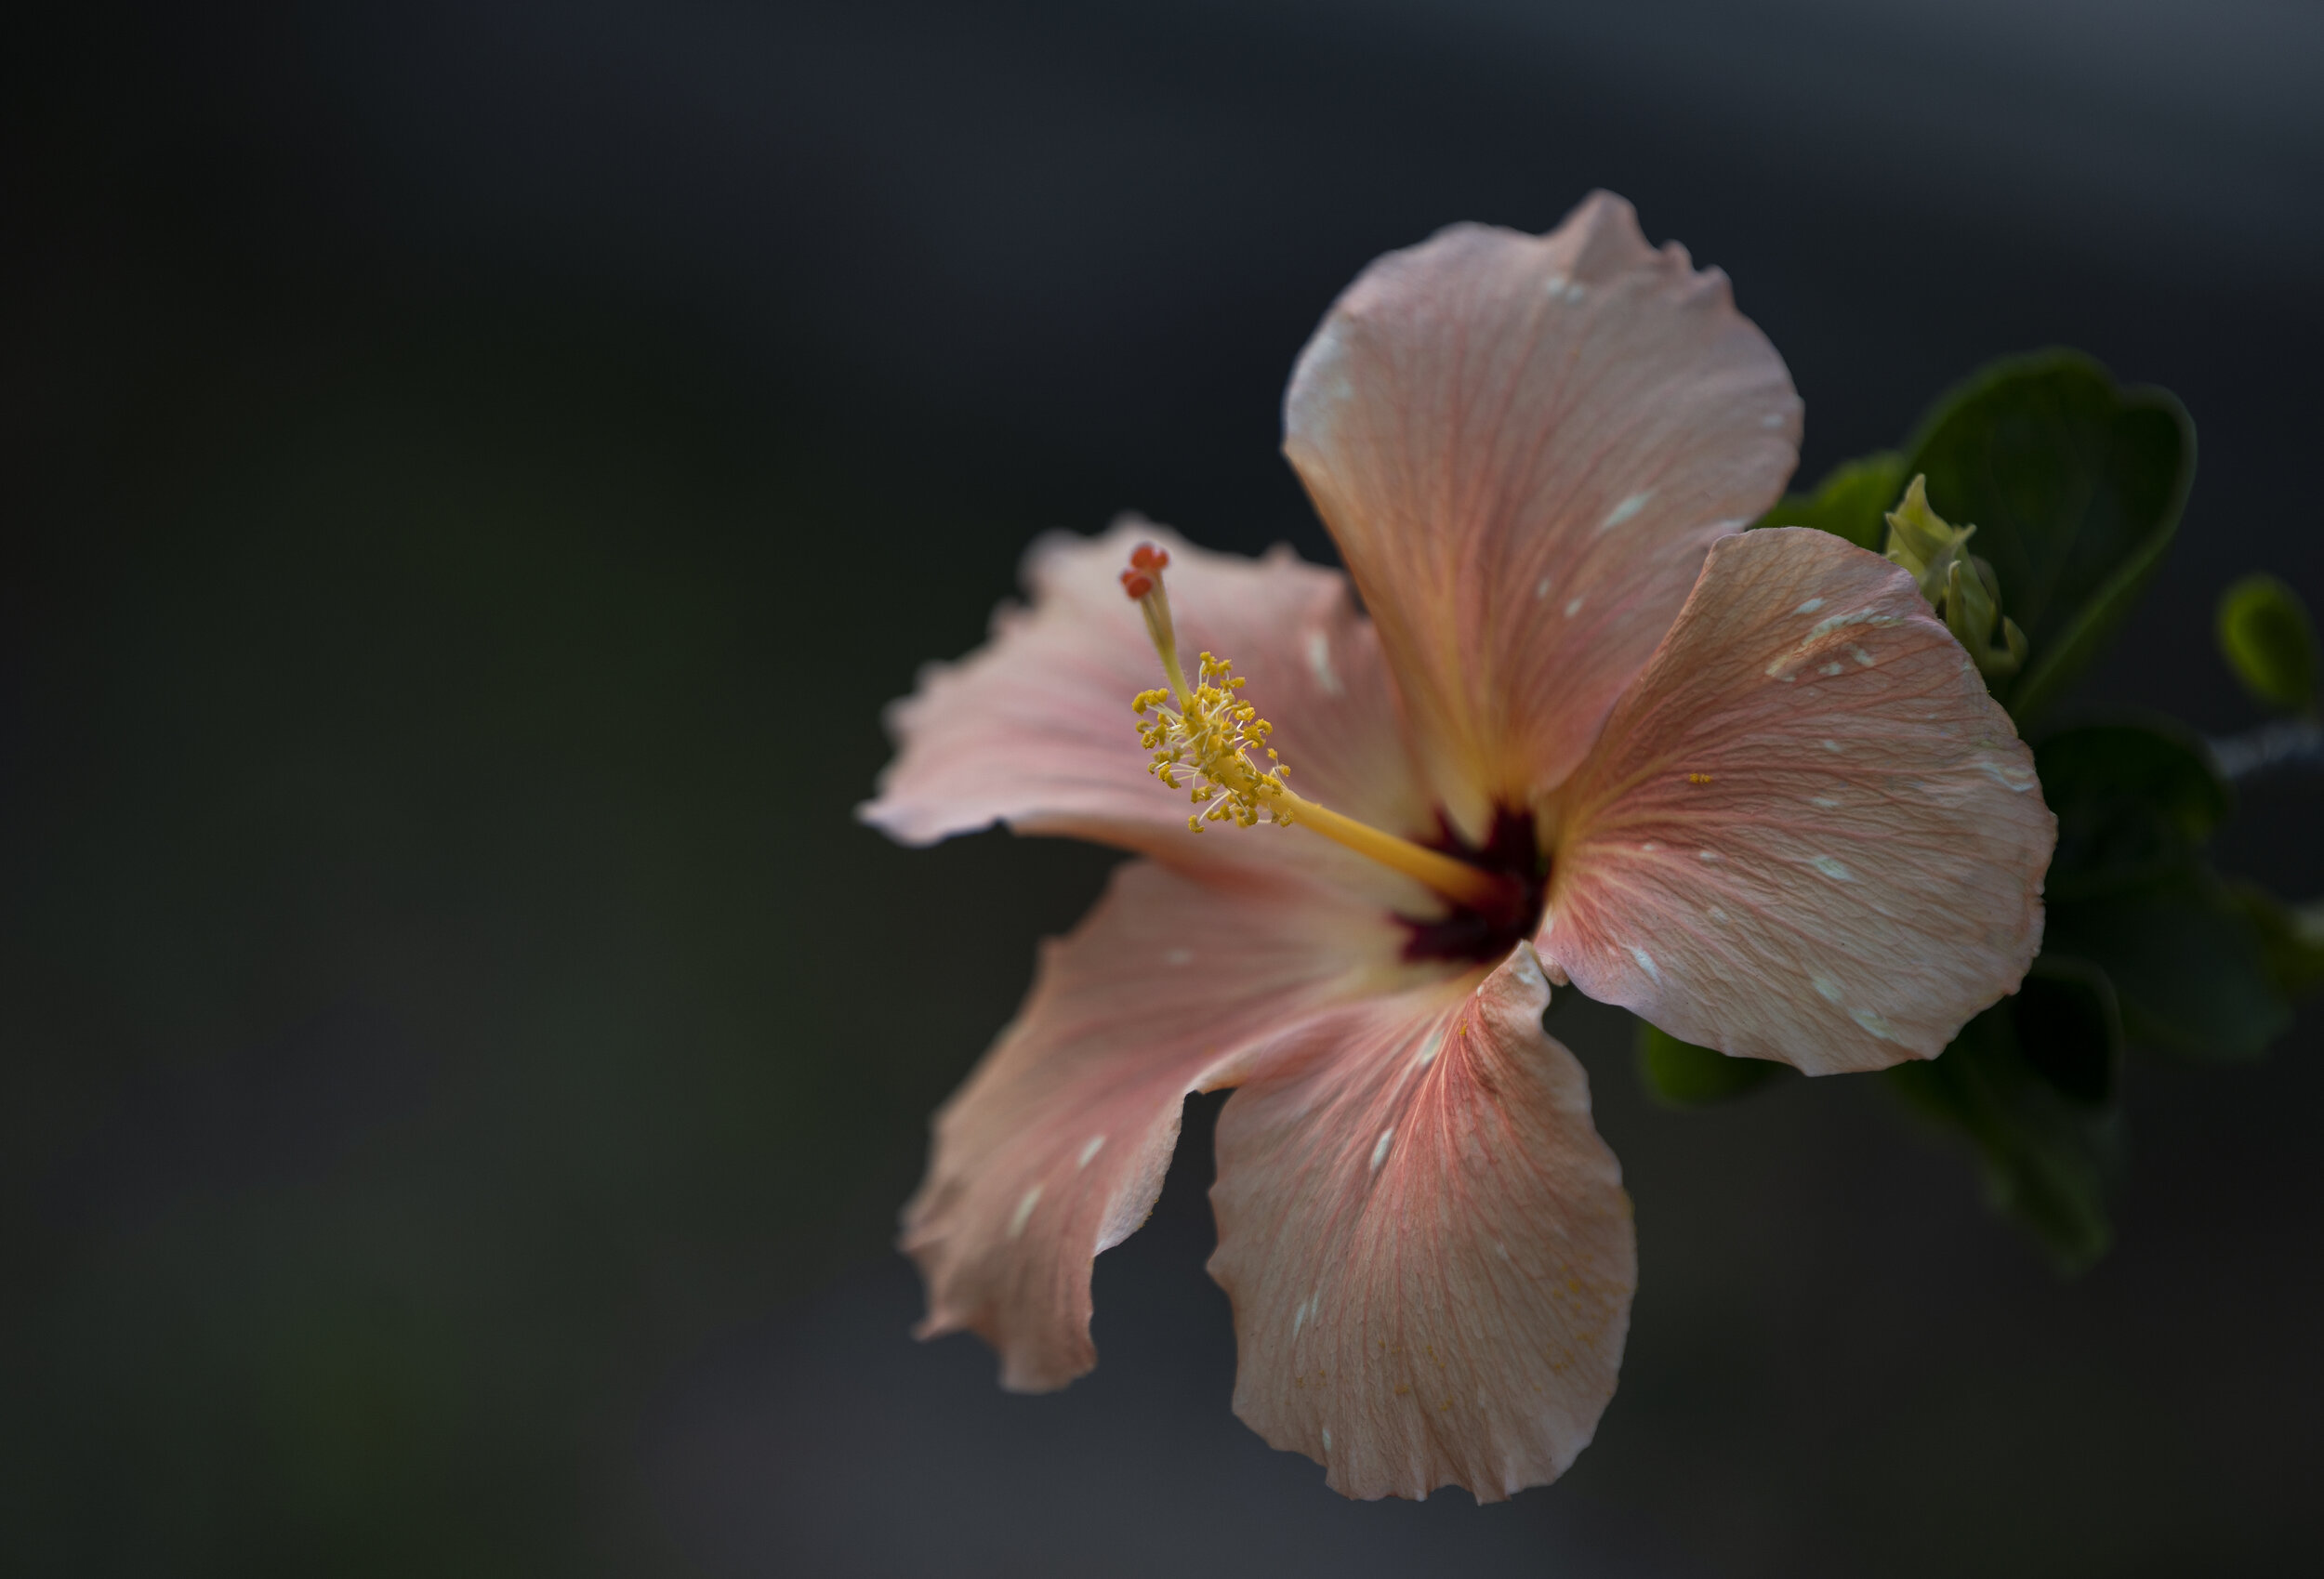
(2291, 939)
(2187, 961)
(2134, 802)
(2075, 485)
(1687, 1076)
(1851, 502)
(2264, 634)
(2044, 1158)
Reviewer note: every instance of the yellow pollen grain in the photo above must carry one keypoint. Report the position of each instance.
(1698, 778)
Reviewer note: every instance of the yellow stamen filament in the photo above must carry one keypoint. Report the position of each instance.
(1204, 745)
(1448, 875)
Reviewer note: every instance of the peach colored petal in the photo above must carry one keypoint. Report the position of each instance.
(1034, 727)
(1055, 1148)
(1428, 1246)
(1807, 833)
(1523, 445)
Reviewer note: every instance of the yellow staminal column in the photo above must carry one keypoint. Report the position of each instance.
(1204, 745)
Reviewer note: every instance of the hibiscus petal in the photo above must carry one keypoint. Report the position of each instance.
(1523, 445)
(1055, 1148)
(1807, 833)
(1428, 1246)
(1034, 727)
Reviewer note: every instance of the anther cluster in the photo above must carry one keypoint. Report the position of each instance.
(1204, 749)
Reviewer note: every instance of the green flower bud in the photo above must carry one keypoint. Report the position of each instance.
(1923, 542)
(1972, 605)
(1956, 584)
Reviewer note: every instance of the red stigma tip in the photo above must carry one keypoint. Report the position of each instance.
(1145, 564)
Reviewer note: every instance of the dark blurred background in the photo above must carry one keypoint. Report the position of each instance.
(474, 472)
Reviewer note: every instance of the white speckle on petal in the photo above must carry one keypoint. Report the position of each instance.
(1832, 747)
(1326, 1438)
(1573, 606)
(1179, 956)
(1319, 660)
(1503, 1247)
(1380, 1148)
(1707, 854)
(1528, 968)
(1871, 1021)
(1862, 656)
(1832, 668)
(1827, 802)
(1831, 869)
(1555, 286)
(1646, 963)
(2009, 775)
(1541, 589)
(1434, 1044)
(1626, 509)
(1574, 292)
(1773, 420)
(1809, 606)
(1650, 846)
(1716, 913)
(1825, 986)
(1024, 1211)
(1824, 627)
(1089, 1148)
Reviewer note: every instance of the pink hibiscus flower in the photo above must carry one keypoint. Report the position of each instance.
(1743, 784)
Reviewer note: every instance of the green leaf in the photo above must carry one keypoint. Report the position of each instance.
(1849, 503)
(1687, 1076)
(2075, 485)
(2189, 958)
(2291, 939)
(2134, 802)
(2068, 1028)
(2044, 1158)
(2264, 633)
(2185, 959)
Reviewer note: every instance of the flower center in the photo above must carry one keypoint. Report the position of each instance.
(1485, 937)
(1202, 736)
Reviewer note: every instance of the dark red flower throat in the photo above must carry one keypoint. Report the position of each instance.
(1486, 934)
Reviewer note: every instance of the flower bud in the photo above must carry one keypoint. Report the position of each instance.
(1923, 542)
(1956, 584)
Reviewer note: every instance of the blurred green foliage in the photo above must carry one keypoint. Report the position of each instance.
(2031, 1084)
(1687, 1076)
(1851, 502)
(2265, 632)
(2130, 891)
(2292, 938)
